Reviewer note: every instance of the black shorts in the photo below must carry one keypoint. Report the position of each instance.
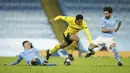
(67, 39)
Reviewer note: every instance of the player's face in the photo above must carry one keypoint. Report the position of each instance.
(27, 45)
(79, 22)
(107, 14)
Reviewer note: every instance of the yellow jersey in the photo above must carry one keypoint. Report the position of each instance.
(74, 28)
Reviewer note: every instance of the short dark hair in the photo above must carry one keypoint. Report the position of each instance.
(25, 42)
(109, 9)
(79, 16)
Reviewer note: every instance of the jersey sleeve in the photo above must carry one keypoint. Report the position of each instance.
(102, 23)
(65, 18)
(117, 21)
(87, 32)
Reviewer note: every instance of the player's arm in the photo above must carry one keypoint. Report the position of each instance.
(118, 26)
(65, 18)
(15, 62)
(87, 32)
(107, 30)
(111, 30)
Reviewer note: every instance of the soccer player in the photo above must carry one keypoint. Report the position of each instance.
(75, 24)
(109, 26)
(31, 56)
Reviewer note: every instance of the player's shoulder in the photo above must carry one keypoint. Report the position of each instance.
(70, 17)
(84, 22)
(35, 49)
(103, 18)
(115, 17)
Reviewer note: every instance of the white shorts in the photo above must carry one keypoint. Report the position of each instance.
(104, 41)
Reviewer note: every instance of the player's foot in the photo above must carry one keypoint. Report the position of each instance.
(120, 64)
(46, 62)
(89, 54)
(47, 54)
(70, 56)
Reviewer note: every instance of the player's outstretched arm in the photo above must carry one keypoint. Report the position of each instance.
(65, 18)
(107, 30)
(88, 35)
(87, 32)
(15, 62)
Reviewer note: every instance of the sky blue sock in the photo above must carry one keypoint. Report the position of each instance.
(49, 64)
(116, 54)
(91, 50)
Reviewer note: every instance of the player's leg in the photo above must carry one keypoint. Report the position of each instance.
(74, 38)
(73, 45)
(70, 50)
(57, 47)
(112, 45)
(49, 64)
(35, 62)
(91, 49)
(96, 43)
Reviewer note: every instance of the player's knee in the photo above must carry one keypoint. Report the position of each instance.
(92, 45)
(33, 62)
(74, 38)
(62, 46)
(112, 45)
(77, 40)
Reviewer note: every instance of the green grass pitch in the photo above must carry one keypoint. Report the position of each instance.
(80, 65)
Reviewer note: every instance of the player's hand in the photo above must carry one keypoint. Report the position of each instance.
(116, 30)
(52, 20)
(7, 64)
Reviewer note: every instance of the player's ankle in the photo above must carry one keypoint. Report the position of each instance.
(71, 57)
(91, 50)
(49, 52)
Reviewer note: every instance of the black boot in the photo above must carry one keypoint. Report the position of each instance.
(47, 54)
(89, 54)
(70, 56)
(120, 64)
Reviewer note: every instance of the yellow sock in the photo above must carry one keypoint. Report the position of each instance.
(72, 47)
(57, 47)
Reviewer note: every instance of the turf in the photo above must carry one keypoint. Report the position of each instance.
(80, 65)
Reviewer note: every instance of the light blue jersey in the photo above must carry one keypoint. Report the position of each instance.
(110, 23)
(28, 55)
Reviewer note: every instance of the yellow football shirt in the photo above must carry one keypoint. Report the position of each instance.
(74, 28)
